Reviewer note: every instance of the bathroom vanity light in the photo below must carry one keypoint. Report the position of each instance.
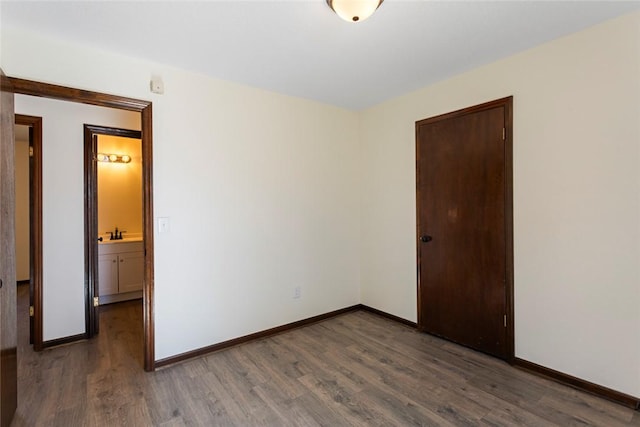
(113, 158)
(354, 10)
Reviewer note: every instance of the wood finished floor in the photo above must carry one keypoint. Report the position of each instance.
(357, 369)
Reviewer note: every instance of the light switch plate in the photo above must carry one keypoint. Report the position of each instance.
(163, 224)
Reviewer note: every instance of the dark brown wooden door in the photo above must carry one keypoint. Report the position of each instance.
(462, 204)
(8, 302)
(91, 231)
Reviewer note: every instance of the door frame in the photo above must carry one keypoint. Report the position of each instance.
(507, 104)
(35, 226)
(91, 133)
(64, 93)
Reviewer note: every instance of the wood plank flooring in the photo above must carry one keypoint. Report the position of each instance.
(357, 369)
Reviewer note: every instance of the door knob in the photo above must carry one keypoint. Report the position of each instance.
(426, 238)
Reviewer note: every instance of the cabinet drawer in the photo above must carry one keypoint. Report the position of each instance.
(119, 247)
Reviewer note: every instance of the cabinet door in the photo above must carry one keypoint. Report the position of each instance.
(107, 274)
(131, 271)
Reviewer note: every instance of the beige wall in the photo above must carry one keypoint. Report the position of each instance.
(261, 191)
(576, 198)
(120, 187)
(22, 209)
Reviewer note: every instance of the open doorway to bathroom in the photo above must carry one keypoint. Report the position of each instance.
(113, 222)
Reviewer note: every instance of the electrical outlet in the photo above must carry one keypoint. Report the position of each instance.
(297, 292)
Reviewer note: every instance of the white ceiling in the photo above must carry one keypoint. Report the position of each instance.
(301, 48)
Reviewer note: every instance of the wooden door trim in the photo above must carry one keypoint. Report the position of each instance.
(34, 88)
(35, 226)
(64, 93)
(508, 218)
(507, 104)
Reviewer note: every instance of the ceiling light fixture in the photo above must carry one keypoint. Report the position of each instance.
(354, 10)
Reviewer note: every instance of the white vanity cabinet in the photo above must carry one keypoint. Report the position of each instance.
(120, 271)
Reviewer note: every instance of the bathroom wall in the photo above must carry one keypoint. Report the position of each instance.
(120, 187)
(22, 203)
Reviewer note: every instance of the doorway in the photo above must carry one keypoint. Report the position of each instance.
(113, 198)
(33, 88)
(465, 227)
(28, 138)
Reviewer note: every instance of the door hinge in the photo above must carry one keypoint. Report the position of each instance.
(504, 133)
(96, 302)
(505, 320)
(31, 311)
(30, 151)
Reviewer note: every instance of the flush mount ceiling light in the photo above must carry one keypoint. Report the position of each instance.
(354, 10)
